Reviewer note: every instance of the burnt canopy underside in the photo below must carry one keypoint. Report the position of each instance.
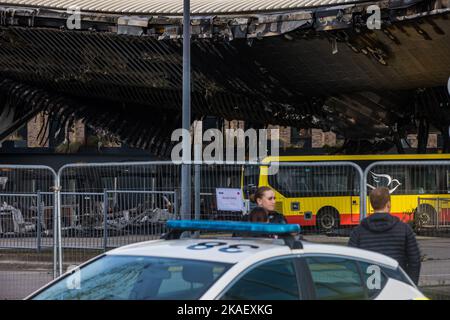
(363, 84)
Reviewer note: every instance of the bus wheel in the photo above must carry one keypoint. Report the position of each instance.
(425, 216)
(327, 219)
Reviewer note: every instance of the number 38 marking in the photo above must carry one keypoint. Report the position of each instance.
(206, 245)
(235, 248)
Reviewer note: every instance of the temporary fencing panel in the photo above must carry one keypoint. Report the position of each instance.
(27, 227)
(419, 193)
(50, 222)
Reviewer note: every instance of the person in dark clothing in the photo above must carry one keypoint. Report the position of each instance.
(276, 217)
(259, 214)
(265, 197)
(383, 233)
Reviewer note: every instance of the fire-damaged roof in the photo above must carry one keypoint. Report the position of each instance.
(175, 7)
(293, 63)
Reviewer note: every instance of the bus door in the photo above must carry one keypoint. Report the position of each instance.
(355, 208)
(355, 200)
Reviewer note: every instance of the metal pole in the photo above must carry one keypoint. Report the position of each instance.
(38, 223)
(175, 207)
(153, 195)
(437, 213)
(185, 168)
(416, 216)
(58, 214)
(363, 196)
(55, 232)
(197, 181)
(57, 243)
(105, 219)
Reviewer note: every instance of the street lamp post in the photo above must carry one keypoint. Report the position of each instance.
(186, 168)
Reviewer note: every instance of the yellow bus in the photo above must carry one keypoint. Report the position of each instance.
(328, 197)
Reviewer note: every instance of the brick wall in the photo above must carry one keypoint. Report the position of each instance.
(413, 142)
(321, 139)
(34, 126)
(78, 132)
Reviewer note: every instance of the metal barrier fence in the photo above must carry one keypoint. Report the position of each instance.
(103, 206)
(27, 229)
(419, 191)
(420, 197)
(114, 204)
(115, 217)
(433, 214)
(206, 180)
(323, 197)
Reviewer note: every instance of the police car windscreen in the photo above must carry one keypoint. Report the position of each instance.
(136, 278)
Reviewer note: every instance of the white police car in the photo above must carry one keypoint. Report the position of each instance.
(236, 268)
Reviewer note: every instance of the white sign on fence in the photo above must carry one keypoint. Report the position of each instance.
(229, 199)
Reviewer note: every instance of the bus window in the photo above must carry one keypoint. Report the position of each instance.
(392, 177)
(330, 181)
(447, 187)
(292, 182)
(355, 187)
(314, 181)
(423, 180)
(250, 180)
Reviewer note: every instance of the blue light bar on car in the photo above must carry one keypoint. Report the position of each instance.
(233, 226)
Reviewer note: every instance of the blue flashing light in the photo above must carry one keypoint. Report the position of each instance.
(233, 226)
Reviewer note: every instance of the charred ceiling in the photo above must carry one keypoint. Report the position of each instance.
(313, 67)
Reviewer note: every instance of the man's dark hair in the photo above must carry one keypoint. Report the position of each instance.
(379, 197)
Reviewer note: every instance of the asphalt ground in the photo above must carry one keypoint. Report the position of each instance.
(22, 272)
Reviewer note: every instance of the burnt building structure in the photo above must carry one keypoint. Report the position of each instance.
(117, 66)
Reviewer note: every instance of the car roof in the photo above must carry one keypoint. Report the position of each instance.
(185, 249)
(227, 252)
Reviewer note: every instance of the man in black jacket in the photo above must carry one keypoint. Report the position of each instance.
(383, 233)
